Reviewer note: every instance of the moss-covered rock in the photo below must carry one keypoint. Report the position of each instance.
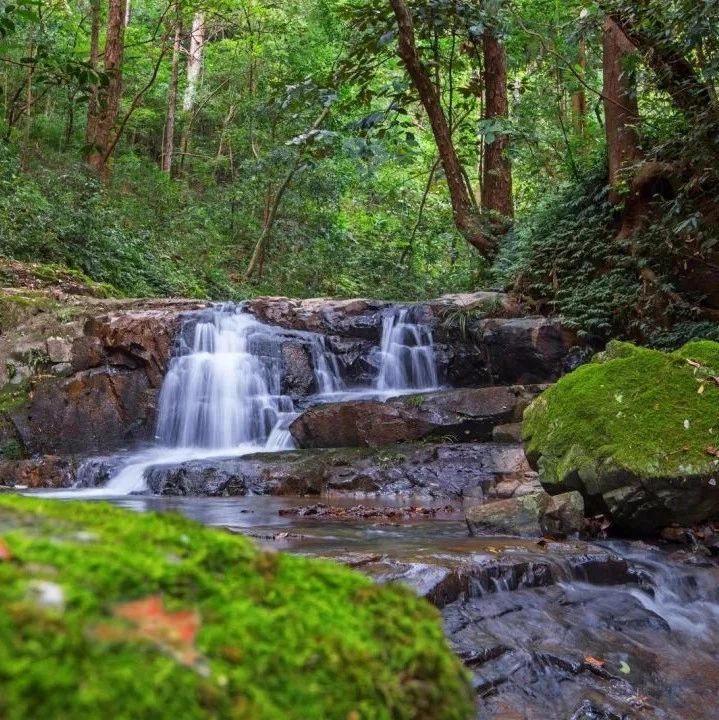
(635, 431)
(107, 613)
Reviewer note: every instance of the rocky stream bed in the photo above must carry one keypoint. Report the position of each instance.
(389, 439)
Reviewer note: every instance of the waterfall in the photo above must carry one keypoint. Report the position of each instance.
(406, 355)
(222, 394)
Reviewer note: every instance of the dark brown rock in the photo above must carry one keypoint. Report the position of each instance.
(298, 377)
(137, 339)
(92, 411)
(462, 415)
(49, 471)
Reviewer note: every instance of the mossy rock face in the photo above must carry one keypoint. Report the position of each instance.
(634, 431)
(107, 613)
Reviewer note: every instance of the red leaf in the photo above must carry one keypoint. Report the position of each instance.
(172, 631)
(5, 553)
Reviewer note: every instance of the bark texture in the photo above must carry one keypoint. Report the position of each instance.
(108, 96)
(168, 148)
(621, 111)
(497, 171)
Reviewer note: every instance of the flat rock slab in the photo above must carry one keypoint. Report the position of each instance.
(465, 415)
(443, 471)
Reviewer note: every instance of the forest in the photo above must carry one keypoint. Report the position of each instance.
(359, 359)
(227, 149)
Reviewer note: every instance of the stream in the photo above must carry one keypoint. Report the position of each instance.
(549, 630)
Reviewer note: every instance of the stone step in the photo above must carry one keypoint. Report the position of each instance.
(455, 416)
(432, 470)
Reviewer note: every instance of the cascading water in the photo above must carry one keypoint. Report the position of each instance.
(222, 395)
(406, 355)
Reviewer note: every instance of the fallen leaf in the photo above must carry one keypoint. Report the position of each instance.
(594, 662)
(700, 391)
(624, 668)
(694, 363)
(174, 632)
(5, 553)
(713, 451)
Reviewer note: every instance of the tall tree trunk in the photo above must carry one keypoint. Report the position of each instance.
(92, 110)
(194, 61)
(621, 111)
(194, 71)
(579, 97)
(674, 73)
(108, 104)
(168, 148)
(463, 209)
(497, 172)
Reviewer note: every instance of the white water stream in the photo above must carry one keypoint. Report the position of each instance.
(222, 393)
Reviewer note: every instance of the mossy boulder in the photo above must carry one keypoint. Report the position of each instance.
(107, 613)
(635, 431)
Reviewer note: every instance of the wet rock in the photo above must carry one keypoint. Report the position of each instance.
(514, 516)
(530, 515)
(358, 318)
(442, 471)
(92, 411)
(137, 339)
(511, 432)
(462, 415)
(363, 512)
(563, 515)
(298, 377)
(49, 471)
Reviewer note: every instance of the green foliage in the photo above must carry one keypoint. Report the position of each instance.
(562, 258)
(11, 450)
(280, 637)
(647, 412)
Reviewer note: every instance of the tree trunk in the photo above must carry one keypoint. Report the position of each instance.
(194, 70)
(463, 210)
(497, 172)
(194, 61)
(169, 140)
(108, 104)
(579, 97)
(674, 73)
(92, 111)
(620, 105)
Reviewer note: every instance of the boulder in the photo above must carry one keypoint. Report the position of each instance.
(442, 471)
(357, 318)
(49, 471)
(298, 378)
(59, 350)
(636, 433)
(109, 600)
(92, 411)
(532, 515)
(135, 339)
(466, 415)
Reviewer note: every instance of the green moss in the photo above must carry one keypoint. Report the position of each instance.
(11, 450)
(413, 400)
(653, 414)
(13, 396)
(281, 637)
